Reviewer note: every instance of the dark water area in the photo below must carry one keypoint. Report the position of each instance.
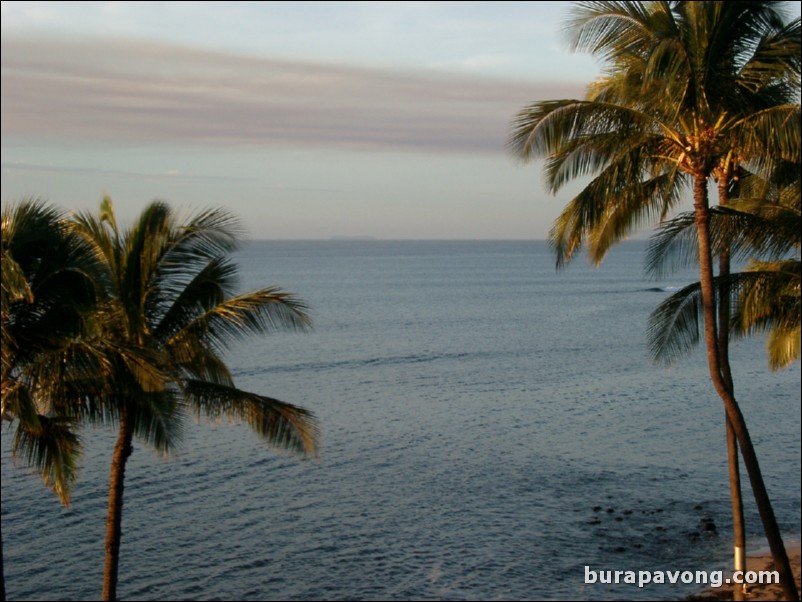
(490, 427)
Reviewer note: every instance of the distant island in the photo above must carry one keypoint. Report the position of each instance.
(351, 238)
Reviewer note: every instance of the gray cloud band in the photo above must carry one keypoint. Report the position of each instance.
(129, 91)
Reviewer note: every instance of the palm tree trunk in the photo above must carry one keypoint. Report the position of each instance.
(702, 212)
(114, 519)
(736, 497)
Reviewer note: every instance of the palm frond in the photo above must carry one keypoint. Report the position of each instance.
(609, 208)
(29, 227)
(15, 287)
(638, 205)
(194, 358)
(672, 246)
(48, 290)
(777, 56)
(770, 135)
(766, 298)
(675, 325)
(53, 449)
(181, 298)
(257, 312)
(282, 425)
(156, 417)
(19, 403)
(611, 30)
(548, 127)
(747, 228)
(771, 301)
(210, 233)
(783, 347)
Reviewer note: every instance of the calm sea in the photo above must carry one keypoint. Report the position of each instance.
(491, 427)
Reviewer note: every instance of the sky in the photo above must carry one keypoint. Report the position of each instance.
(308, 120)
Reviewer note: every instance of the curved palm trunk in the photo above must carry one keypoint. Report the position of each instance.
(731, 407)
(114, 519)
(736, 496)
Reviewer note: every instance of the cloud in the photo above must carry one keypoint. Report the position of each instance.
(20, 168)
(135, 92)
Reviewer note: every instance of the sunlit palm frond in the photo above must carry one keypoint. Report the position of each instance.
(610, 208)
(142, 248)
(548, 128)
(209, 236)
(636, 206)
(771, 300)
(101, 240)
(611, 30)
(772, 231)
(28, 227)
(766, 298)
(783, 346)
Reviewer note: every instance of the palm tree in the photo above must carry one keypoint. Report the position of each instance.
(169, 310)
(687, 87)
(765, 297)
(47, 295)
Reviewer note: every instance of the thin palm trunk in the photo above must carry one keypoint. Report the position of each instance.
(736, 499)
(736, 495)
(702, 212)
(122, 451)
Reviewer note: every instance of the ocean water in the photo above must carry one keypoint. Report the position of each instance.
(490, 428)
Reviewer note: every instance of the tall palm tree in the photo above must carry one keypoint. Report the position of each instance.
(686, 85)
(170, 308)
(47, 296)
(766, 296)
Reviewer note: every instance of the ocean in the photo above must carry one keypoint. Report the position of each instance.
(491, 427)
